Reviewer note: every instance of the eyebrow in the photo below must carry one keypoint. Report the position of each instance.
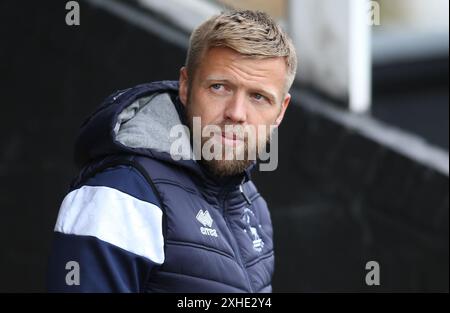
(271, 96)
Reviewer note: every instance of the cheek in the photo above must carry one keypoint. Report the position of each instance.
(207, 109)
(262, 117)
(264, 120)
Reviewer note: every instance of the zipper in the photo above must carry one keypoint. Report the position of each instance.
(241, 189)
(238, 253)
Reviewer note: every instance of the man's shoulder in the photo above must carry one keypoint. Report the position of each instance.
(117, 207)
(125, 179)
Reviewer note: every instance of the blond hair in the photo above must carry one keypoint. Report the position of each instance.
(251, 33)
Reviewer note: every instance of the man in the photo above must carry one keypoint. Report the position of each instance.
(146, 215)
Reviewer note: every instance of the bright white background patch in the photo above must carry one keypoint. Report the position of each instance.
(115, 217)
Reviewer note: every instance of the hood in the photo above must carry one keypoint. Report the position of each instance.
(138, 120)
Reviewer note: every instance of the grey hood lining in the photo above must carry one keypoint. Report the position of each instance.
(148, 122)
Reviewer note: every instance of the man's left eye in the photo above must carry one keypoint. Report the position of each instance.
(216, 86)
(258, 96)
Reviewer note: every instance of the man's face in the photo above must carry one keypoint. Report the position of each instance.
(244, 93)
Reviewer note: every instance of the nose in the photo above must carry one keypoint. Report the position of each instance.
(236, 110)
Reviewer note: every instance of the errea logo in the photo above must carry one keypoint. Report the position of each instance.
(206, 220)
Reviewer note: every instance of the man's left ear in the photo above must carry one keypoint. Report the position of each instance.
(284, 106)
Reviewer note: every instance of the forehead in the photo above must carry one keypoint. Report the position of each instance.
(225, 63)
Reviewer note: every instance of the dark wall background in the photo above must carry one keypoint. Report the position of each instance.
(338, 200)
(413, 94)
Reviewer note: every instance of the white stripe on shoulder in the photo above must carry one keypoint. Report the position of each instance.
(115, 217)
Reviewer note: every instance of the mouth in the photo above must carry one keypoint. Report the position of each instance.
(230, 139)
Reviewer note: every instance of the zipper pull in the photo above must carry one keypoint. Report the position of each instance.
(241, 189)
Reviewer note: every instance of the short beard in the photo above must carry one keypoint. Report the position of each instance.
(223, 168)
